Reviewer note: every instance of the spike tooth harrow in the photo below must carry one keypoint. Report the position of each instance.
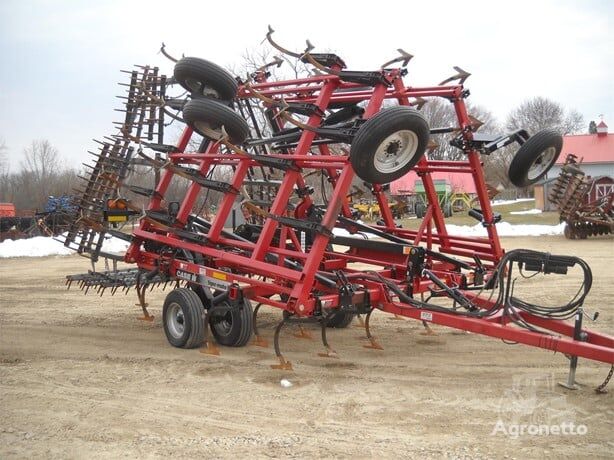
(287, 254)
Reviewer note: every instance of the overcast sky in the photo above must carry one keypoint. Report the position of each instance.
(60, 59)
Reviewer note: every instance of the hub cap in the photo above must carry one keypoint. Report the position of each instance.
(205, 128)
(175, 320)
(541, 164)
(223, 325)
(199, 87)
(395, 151)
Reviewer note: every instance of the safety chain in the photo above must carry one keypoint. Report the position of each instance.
(601, 388)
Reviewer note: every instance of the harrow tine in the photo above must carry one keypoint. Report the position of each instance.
(403, 57)
(427, 329)
(329, 353)
(209, 347)
(475, 123)
(361, 322)
(461, 76)
(140, 292)
(277, 62)
(303, 333)
(279, 48)
(258, 341)
(283, 363)
(374, 345)
(307, 55)
(165, 54)
(419, 102)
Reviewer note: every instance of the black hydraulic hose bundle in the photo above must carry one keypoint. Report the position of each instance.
(545, 263)
(527, 260)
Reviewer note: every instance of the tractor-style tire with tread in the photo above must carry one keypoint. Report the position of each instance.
(338, 320)
(535, 157)
(205, 78)
(235, 328)
(183, 318)
(389, 144)
(206, 114)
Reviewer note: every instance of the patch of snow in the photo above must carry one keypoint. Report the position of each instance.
(507, 229)
(343, 232)
(41, 246)
(114, 245)
(285, 383)
(528, 211)
(504, 202)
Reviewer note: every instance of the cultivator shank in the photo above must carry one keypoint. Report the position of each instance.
(298, 247)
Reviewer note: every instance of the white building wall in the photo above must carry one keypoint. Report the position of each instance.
(593, 170)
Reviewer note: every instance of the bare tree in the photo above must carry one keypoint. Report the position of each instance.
(3, 157)
(41, 175)
(440, 114)
(541, 113)
(41, 160)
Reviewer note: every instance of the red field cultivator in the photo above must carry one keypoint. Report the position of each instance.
(308, 256)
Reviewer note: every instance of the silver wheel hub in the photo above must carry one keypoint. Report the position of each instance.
(198, 87)
(395, 151)
(541, 163)
(205, 128)
(175, 320)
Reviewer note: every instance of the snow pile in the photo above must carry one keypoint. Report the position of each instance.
(507, 229)
(343, 232)
(41, 246)
(529, 211)
(338, 231)
(114, 245)
(504, 202)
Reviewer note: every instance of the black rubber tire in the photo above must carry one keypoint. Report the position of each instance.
(192, 318)
(207, 113)
(548, 143)
(569, 232)
(340, 320)
(364, 155)
(447, 209)
(420, 210)
(236, 328)
(205, 78)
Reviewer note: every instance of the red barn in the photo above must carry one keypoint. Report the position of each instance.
(596, 152)
(459, 183)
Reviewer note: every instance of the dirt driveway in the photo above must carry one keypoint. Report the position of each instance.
(81, 377)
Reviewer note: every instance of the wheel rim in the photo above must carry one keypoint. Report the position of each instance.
(197, 86)
(175, 320)
(541, 164)
(395, 151)
(205, 128)
(224, 325)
